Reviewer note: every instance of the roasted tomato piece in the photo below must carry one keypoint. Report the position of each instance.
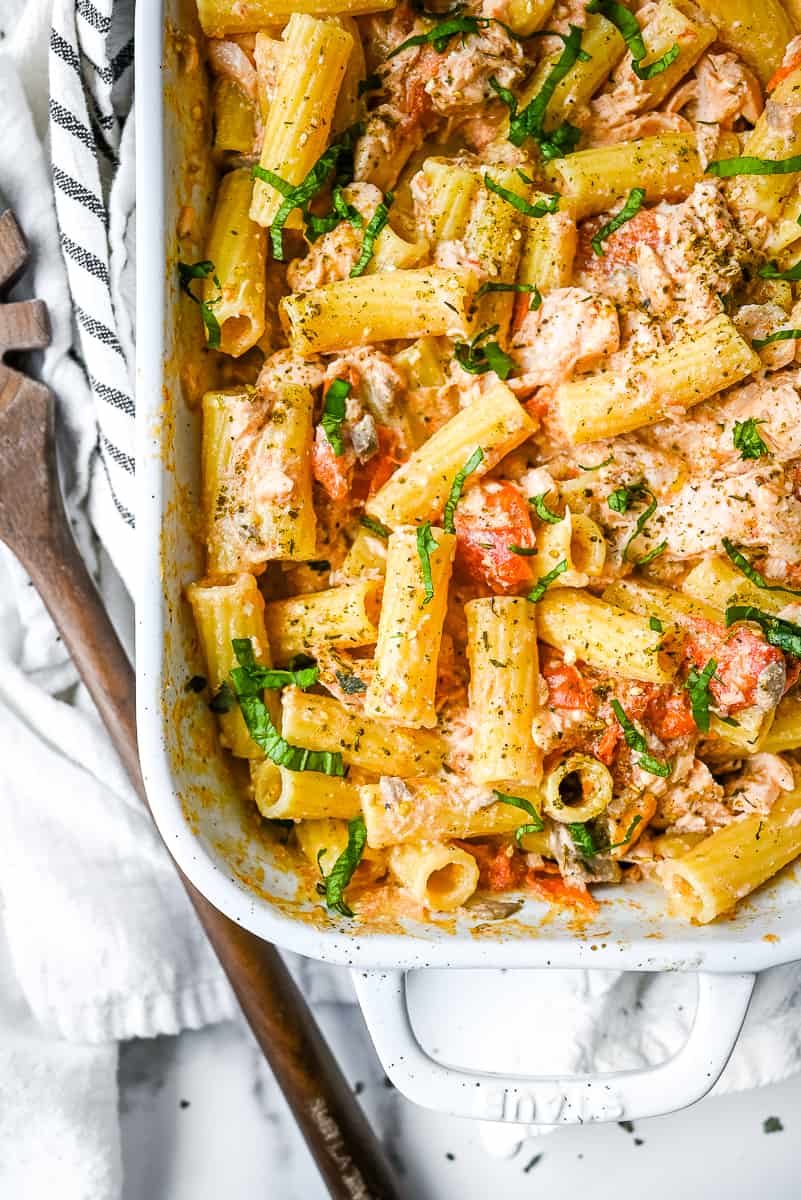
(492, 518)
(554, 890)
(567, 687)
(670, 715)
(332, 471)
(744, 661)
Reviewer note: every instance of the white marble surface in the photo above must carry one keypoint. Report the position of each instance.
(202, 1119)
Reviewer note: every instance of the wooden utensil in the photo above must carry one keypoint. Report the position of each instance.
(34, 525)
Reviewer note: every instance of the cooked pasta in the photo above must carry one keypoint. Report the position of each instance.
(501, 500)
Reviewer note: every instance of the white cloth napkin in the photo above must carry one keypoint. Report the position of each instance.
(99, 943)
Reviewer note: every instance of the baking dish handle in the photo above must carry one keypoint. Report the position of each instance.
(553, 1099)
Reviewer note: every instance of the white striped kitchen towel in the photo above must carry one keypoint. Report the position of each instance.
(91, 85)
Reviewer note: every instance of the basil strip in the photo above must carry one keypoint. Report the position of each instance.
(651, 555)
(543, 512)
(791, 275)
(531, 121)
(454, 496)
(781, 335)
(727, 168)
(187, 272)
(223, 699)
(270, 677)
(376, 224)
(246, 679)
(340, 875)
(375, 527)
(536, 825)
(301, 195)
(745, 436)
(750, 572)
(635, 741)
(642, 521)
(597, 466)
(477, 359)
(425, 545)
(523, 551)
(542, 585)
(698, 687)
(541, 209)
(536, 298)
(655, 624)
(629, 27)
(441, 34)
(784, 635)
(582, 839)
(334, 412)
(630, 209)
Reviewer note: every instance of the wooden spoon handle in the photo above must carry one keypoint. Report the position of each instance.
(347, 1152)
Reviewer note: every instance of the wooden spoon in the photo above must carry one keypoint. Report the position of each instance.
(34, 525)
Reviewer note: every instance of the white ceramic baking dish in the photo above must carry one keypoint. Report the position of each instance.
(214, 836)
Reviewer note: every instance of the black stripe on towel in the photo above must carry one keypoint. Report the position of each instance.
(87, 10)
(97, 329)
(113, 396)
(84, 258)
(120, 457)
(70, 123)
(122, 60)
(125, 513)
(64, 50)
(76, 191)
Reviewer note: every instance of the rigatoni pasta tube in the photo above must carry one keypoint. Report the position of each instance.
(234, 119)
(758, 33)
(389, 305)
(594, 181)
(299, 120)
(776, 135)
(575, 540)
(577, 788)
(666, 604)
(238, 248)
(449, 189)
(603, 48)
(665, 27)
(224, 611)
(440, 877)
(502, 652)
(493, 240)
(397, 812)
(343, 617)
(785, 732)
(413, 611)
(690, 370)
(717, 581)
(220, 18)
(495, 423)
(549, 248)
(727, 866)
(322, 723)
(604, 636)
(302, 795)
(257, 482)
(526, 16)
